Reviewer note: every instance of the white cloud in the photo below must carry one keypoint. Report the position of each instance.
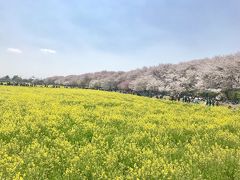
(14, 50)
(50, 51)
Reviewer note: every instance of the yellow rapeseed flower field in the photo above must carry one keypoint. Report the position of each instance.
(85, 134)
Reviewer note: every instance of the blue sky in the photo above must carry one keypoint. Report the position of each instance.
(59, 37)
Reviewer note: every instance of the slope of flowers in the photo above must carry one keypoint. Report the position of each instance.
(86, 134)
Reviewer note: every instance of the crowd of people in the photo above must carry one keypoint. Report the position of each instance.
(209, 101)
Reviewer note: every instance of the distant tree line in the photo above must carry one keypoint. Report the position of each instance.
(206, 78)
(17, 80)
(230, 95)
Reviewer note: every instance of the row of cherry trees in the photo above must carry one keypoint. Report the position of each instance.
(215, 74)
(218, 74)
